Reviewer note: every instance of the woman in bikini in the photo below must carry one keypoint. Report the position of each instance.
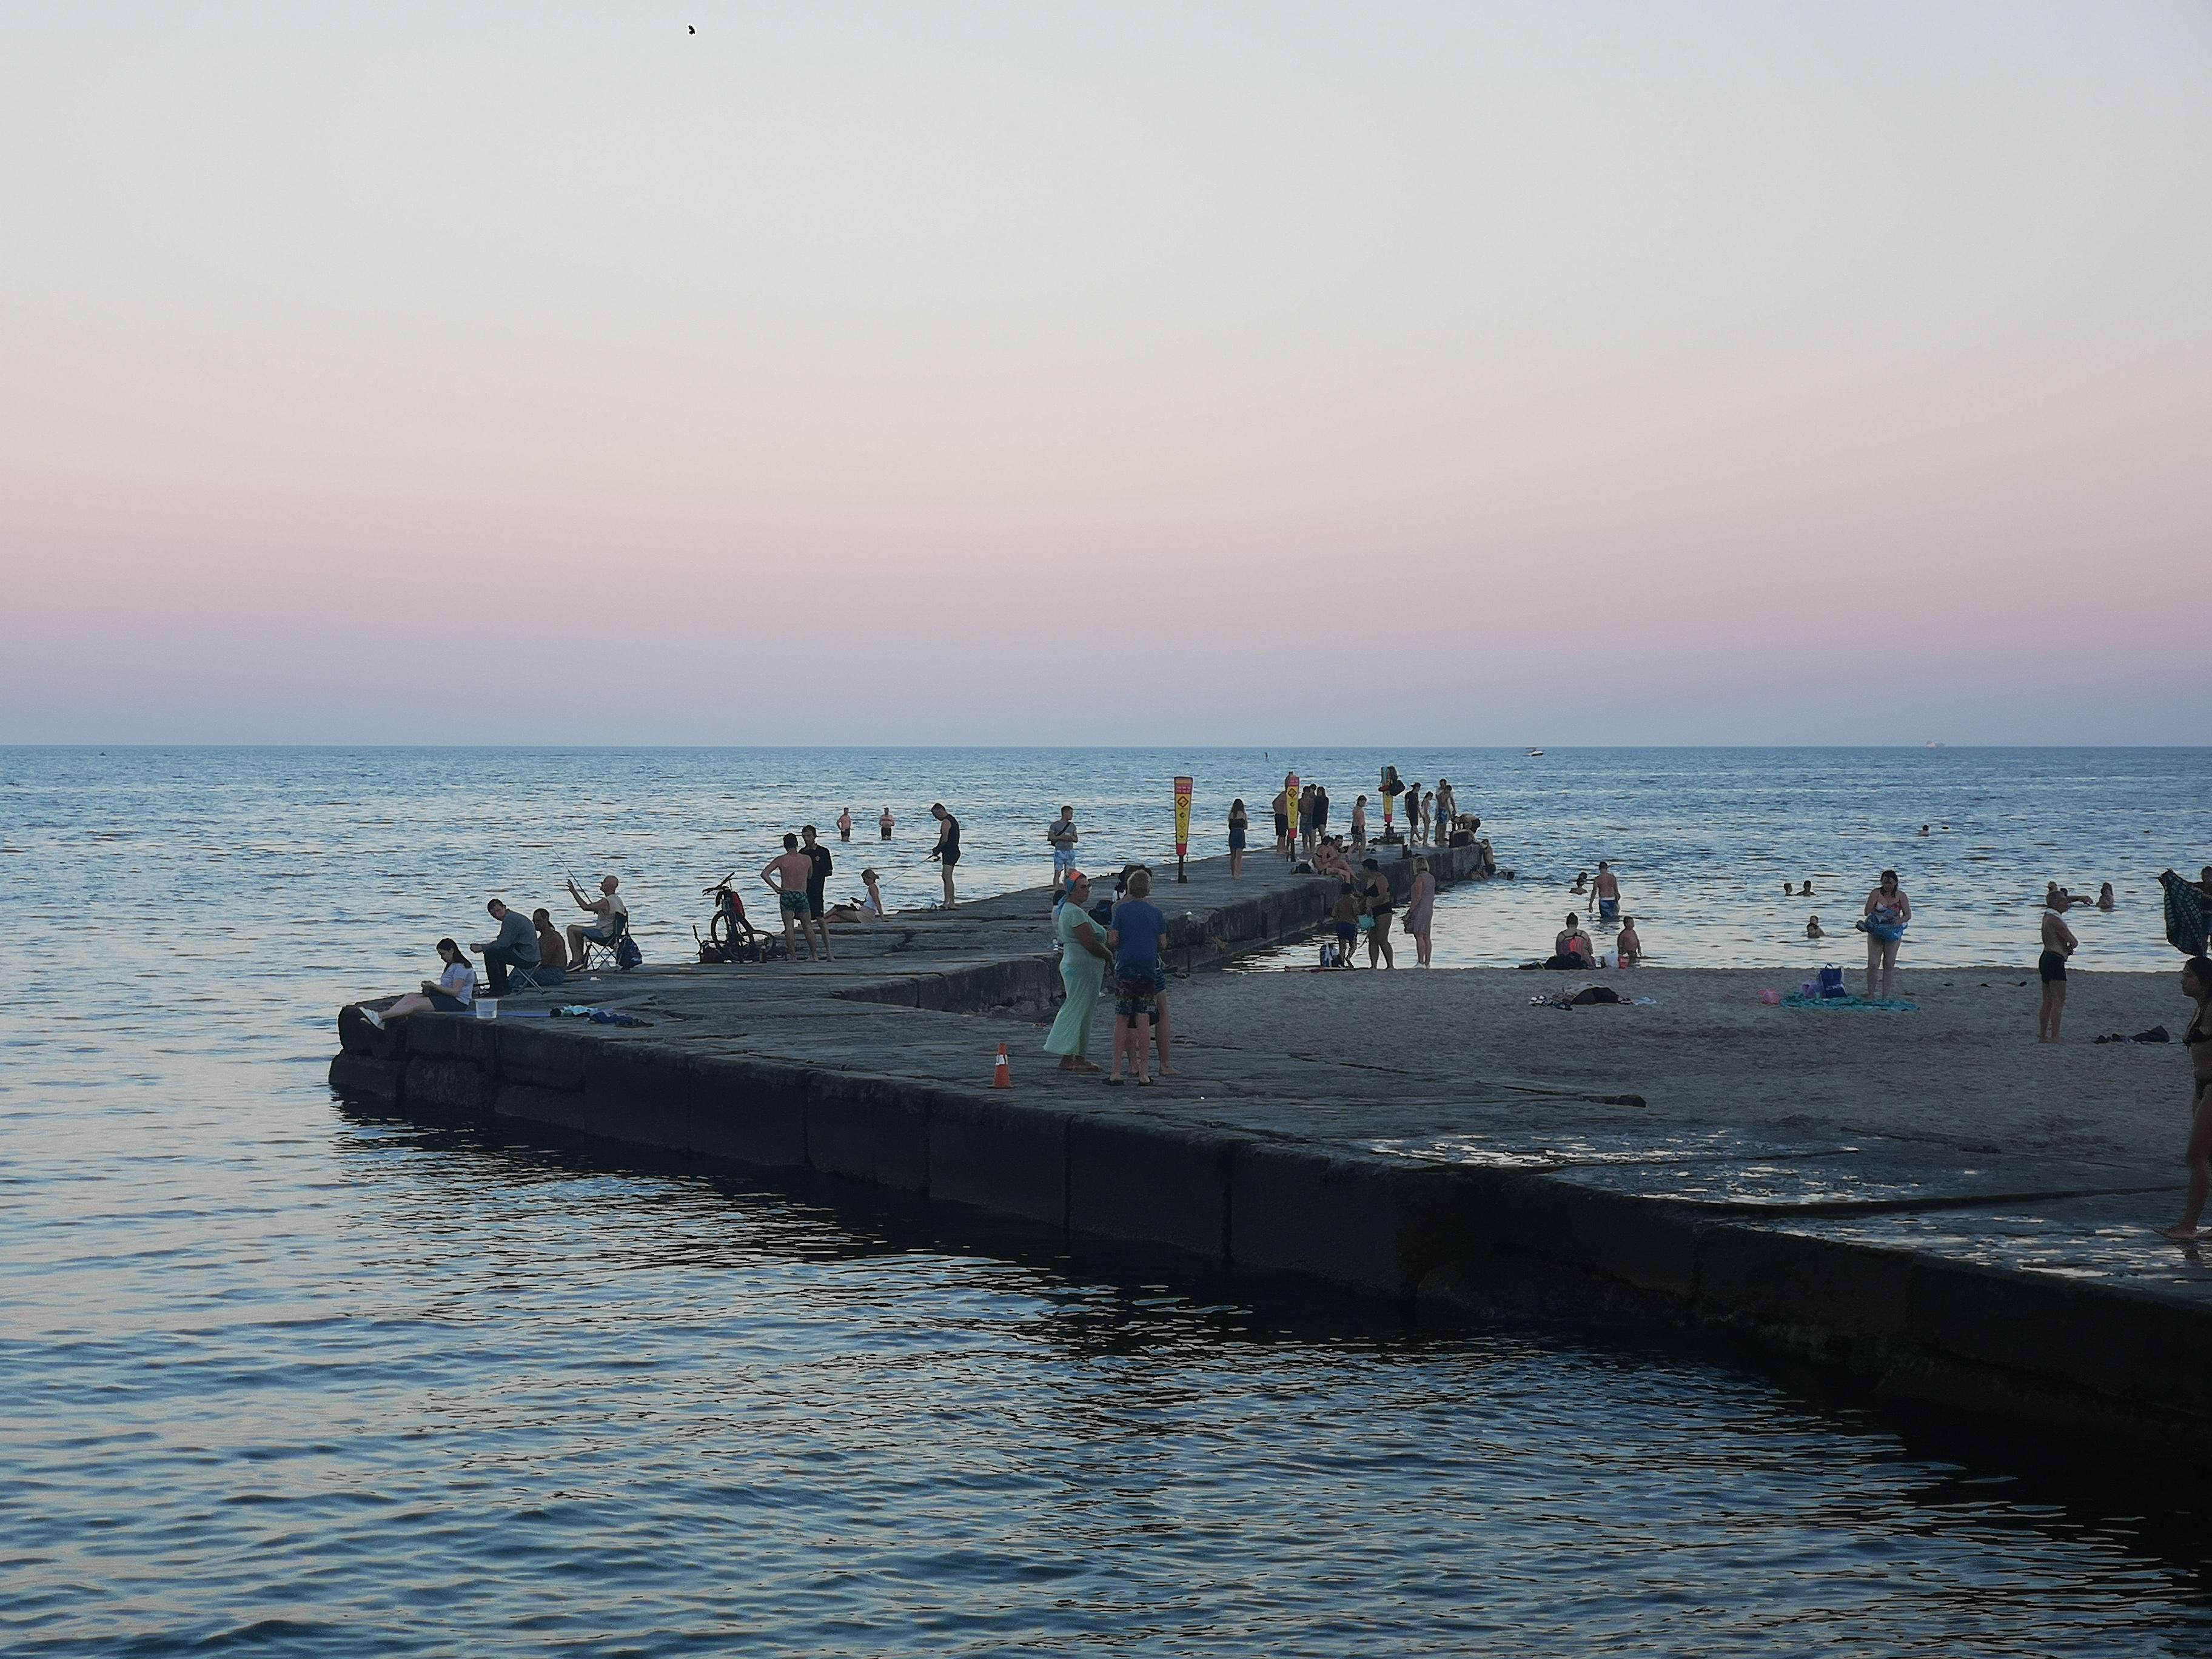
(1887, 909)
(2196, 980)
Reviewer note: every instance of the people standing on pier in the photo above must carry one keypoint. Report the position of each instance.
(1137, 937)
(1084, 960)
(1605, 886)
(1420, 908)
(1240, 827)
(453, 992)
(1061, 833)
(1359, 824)
(2058, 943)
(1282, 822)
(1887, 911)
(885, 823)
(786, 876)
(1447, 809)
(845, 824)
(2197, 1042)
(613, 913)
(516, 946)
(818, 883)
(1319, 813)
(1306, 821)
(1381, 904)
(947, 850)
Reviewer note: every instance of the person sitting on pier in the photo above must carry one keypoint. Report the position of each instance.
(873, 904)
(1570, 947)
(552, 954)
(515, 947)
(453, 992)
(613, 913)
(1329, 860)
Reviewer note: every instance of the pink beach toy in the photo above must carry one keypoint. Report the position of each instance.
(1771, 999)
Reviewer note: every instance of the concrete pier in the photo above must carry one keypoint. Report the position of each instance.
(1484, 1162)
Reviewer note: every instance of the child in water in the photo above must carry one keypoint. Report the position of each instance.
(1812, 928)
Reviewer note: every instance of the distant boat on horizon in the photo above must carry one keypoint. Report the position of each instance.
(1535, 752)
(1932, 743)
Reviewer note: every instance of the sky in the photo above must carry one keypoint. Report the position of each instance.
(842, 373)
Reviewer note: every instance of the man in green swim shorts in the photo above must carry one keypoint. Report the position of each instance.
(786, 878)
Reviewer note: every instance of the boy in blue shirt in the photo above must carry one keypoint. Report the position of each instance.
(1137, 936)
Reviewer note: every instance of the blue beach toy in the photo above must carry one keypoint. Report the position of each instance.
(1883, 924)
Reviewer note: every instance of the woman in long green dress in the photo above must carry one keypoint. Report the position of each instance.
(1084, 960)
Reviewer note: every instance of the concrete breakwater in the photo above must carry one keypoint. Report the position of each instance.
(1262, 1160)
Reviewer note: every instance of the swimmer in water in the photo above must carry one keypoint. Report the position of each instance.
(1806, 891)
(1813, 927)
(2104, 896)
(1924, 828)
(1582, 882)
(1788, 891)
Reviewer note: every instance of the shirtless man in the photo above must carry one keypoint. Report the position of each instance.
(1605, 887)
(2058, 943)
(1447, 808)
(785, 876)
(1359, 824)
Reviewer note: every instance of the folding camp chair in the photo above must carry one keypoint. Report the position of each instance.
(607, 952)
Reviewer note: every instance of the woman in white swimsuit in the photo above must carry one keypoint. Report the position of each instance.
(1887, 909)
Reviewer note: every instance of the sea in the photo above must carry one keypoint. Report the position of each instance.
(290, 1376)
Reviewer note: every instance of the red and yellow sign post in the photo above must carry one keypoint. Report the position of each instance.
(1182, 824)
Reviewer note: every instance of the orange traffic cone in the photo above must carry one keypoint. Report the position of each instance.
(1002, 1077)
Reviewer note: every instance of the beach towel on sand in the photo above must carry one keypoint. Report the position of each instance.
(1886, 1004)
(2185, 914)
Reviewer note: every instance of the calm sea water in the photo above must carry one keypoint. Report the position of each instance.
(289, 1380)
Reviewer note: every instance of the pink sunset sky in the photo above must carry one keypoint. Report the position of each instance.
(1457, 374)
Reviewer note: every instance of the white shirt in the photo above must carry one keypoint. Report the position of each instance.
(458, 981)
(615, 907)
